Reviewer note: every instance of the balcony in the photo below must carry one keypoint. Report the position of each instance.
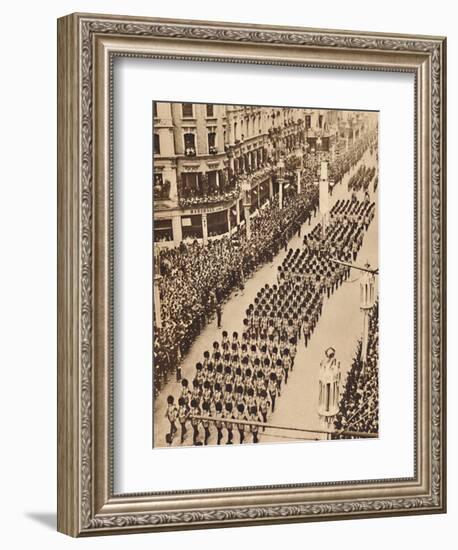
(203, 189)
(201, 198)
(260, 175)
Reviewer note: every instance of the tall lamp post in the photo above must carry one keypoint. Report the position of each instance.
(281, 173)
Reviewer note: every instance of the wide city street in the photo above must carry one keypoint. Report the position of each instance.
(339, 326)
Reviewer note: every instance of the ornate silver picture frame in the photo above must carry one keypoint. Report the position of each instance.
(87, 47)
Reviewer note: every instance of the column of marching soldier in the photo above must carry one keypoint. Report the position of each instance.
(241, 378)
(193, 273)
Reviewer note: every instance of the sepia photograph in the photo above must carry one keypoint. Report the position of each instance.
(265, 278)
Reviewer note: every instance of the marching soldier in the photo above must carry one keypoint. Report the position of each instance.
(195, 421)
(219, 421)
(205, 422)
(279, 373)
(286, 363)
(254, 428)
(229, 424)
(182, 417)
(264, 407)
(272, 387)
(185, 391)
(240, 415)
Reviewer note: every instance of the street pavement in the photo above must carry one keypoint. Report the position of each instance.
(339, 326)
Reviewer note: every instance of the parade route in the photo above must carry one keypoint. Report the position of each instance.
(337, 327)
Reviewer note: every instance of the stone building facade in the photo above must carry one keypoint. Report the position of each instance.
(214, 165)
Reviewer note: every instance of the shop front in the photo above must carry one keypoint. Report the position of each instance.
(191, 226)
(217, 223)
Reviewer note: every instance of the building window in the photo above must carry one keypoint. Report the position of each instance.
(154, 109)
(190, 145)
(217, 223)
(212, 149)
(212, 182)
(163, 230)
(210, 110)
(187, 110)
(320, 121)
(161, 187)
(191, 227)
(158, 181)
(308, 122)
(157, 144)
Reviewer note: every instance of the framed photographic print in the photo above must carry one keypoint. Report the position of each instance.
(251, 274)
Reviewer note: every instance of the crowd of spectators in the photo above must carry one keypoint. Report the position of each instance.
(196, 277)
(359, 403)
(203, 190)
(242, 377)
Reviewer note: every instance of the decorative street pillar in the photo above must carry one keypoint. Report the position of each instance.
(247, 221)
(204, 229)
(237, 211)
(367, 298)
(228, 216)
(299, 157)
(324, 196)
(246, 189)
(281, 168)
(329, 389)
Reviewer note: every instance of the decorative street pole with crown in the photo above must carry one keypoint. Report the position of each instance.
(367, 299)
(300, 164)
(281, 171)
(324, 196)
(246, 189)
